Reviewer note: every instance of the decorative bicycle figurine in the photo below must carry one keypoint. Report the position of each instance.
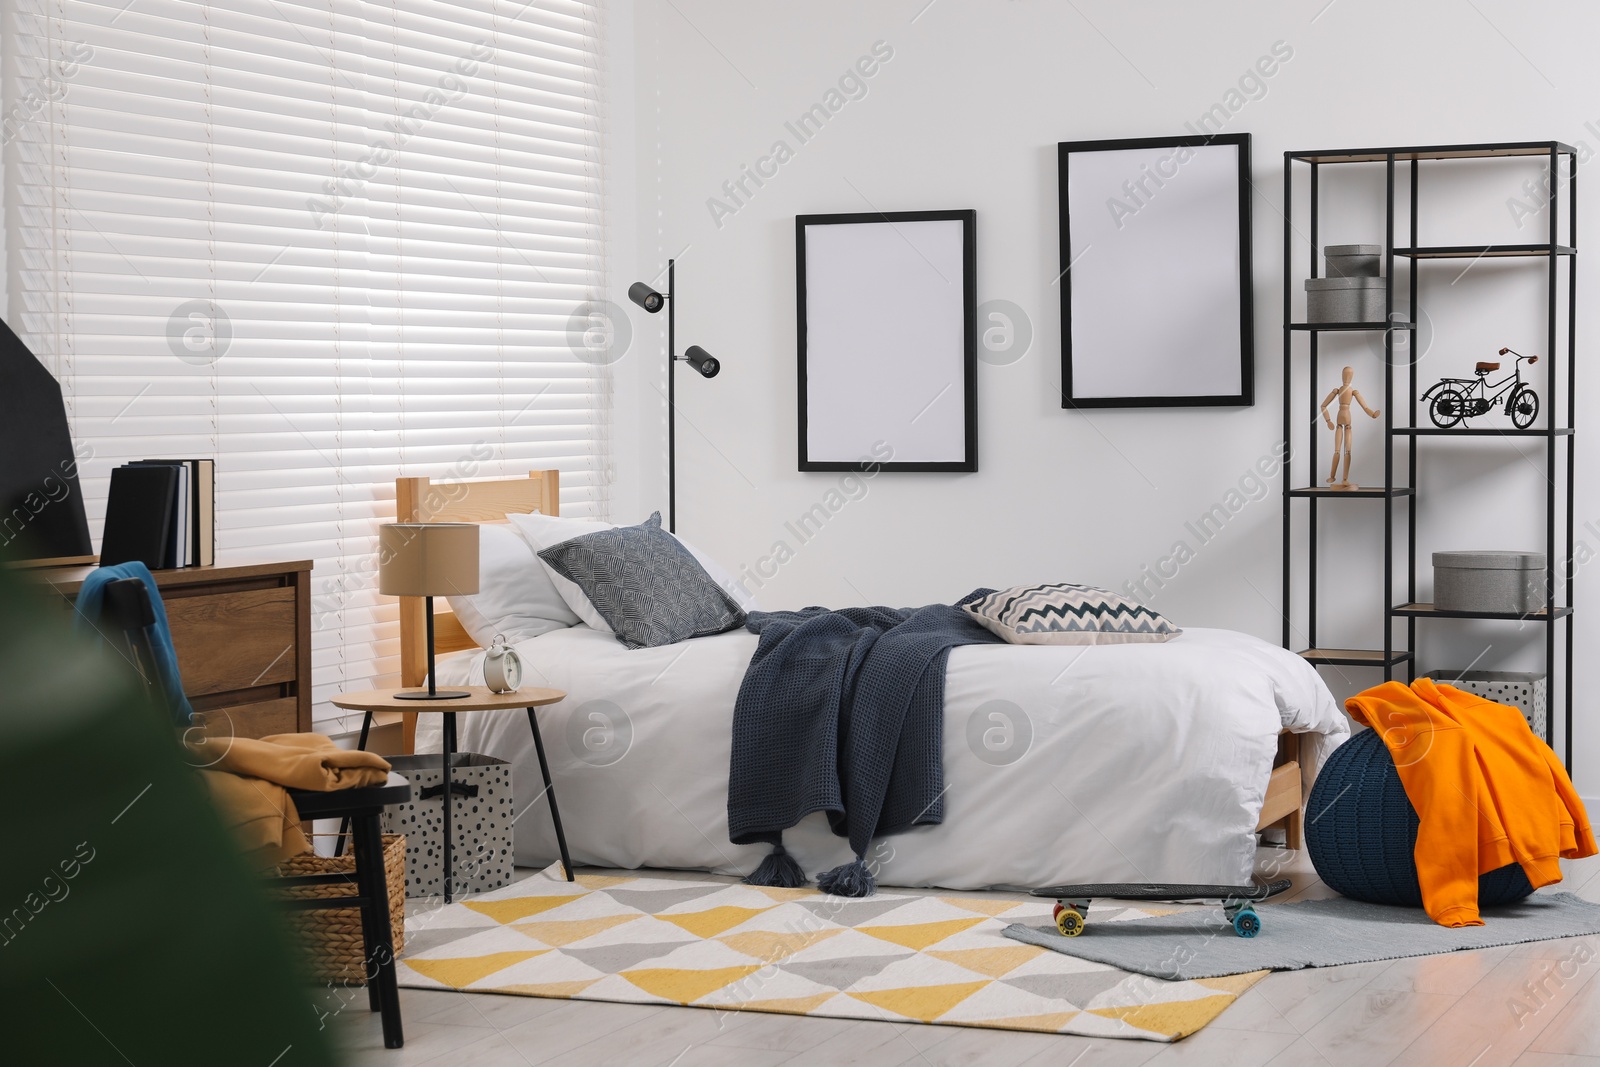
(1453, 399)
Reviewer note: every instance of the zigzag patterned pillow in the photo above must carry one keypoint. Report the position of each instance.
(1069, 615)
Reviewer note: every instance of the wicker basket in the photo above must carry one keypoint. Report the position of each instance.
(332, 936)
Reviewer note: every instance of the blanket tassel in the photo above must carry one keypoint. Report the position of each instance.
(851, 880)
(778, 869)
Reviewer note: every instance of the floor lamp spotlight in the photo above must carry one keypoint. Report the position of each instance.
(698, 358)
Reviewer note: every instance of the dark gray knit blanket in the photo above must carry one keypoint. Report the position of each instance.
(843, 712)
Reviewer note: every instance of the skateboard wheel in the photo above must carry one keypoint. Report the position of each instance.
(1055, 913)
(1068, 921)
(1246, 923)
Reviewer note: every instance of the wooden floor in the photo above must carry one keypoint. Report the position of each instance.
(1534, 1005)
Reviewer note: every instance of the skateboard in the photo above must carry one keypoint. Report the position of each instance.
(1072, 901)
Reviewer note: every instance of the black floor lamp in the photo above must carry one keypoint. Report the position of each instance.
(698, 358)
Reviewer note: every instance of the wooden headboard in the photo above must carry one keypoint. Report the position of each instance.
(423, 500)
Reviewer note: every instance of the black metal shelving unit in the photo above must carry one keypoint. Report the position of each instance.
(1558, 608)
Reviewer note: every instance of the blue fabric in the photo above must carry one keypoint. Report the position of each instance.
(86, 619)
(1362, 832)
(843, 712)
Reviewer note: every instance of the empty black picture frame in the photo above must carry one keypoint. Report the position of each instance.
(885, 309)
(1146, 296)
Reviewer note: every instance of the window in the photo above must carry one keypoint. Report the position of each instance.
(325, 243)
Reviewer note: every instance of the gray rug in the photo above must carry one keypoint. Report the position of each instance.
(1309, 933)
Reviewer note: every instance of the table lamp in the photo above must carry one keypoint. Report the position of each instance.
(428, 559)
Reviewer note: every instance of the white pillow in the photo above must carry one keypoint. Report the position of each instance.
(545, 531)
(722, 577)
(515, 595)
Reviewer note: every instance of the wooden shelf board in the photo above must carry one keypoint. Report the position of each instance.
(1366, 492)
(1352, 657)
(1319, 327)
(1478, 431)
(1487, 151)
(1481, 251)
(1428, 611)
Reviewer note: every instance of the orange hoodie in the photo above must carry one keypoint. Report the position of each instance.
(1487, 792)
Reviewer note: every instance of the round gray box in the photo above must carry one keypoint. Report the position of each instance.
(1509, 582)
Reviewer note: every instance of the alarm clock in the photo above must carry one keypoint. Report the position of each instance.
(502, 667)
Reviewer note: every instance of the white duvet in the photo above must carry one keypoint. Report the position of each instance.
(1140, 762)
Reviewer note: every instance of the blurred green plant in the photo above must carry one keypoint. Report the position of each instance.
(131, 929)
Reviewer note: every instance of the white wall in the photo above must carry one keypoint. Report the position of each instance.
(966, 114)
(7, 44)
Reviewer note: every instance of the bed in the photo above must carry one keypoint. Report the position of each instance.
(1139, 762)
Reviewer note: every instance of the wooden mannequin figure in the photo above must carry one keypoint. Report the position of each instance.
(1341, 432)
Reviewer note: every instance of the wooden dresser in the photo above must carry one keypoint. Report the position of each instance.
(243, 638)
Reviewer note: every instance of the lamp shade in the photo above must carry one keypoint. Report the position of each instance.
(428, 559)
(702, 361)
(646, 297)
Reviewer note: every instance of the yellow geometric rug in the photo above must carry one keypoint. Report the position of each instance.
(715, 943)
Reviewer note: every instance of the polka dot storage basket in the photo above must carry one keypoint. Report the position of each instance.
(1361, 831)
(480, 823)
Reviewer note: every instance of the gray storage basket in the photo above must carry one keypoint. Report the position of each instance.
(481, 825)
(1344, 299)
(1353, 261)
(1509, 582)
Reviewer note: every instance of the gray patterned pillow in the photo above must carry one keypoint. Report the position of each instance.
(1068, 615)
(645, 584)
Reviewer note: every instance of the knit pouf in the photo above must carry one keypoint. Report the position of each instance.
(1361, 831)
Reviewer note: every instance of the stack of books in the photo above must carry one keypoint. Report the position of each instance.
(162, 512)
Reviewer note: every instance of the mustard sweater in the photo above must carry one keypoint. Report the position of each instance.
(248, 777)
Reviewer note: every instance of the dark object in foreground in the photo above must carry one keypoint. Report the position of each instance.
(134, 930)
(363, 806)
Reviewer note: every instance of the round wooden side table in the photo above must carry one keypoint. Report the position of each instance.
(478, 698)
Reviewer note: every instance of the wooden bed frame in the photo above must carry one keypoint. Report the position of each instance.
(421, 500)
(1282, 808)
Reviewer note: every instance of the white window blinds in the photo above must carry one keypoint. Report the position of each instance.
(326, 243)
